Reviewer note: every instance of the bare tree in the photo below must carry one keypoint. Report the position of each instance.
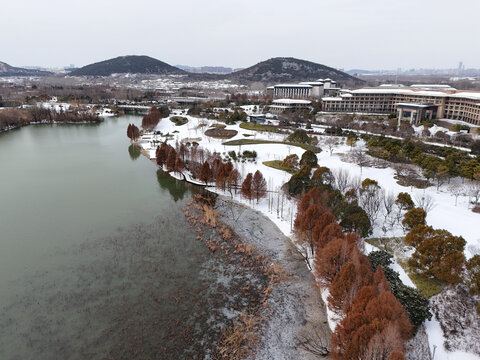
(388, 200)
(330, 143)
(474, 192)
(342, 180)
(456, 190)
(359, 156)
(426, 202)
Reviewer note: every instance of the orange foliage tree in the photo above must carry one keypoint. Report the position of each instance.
(247, 187)
(259, 185)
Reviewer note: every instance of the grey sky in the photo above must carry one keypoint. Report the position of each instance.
(367, 34)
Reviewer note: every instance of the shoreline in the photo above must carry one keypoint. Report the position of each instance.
(296, 311)
(53, 122)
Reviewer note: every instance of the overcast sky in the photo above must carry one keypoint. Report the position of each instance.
(348, 34)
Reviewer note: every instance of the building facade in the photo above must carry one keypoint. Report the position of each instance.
(447, 104)
(303, 90)
(280, 105)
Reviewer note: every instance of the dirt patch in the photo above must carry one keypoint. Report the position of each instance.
(220, 133)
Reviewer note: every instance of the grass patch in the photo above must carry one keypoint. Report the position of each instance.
(428, 287)
(260, 127)
(217, 125)
(254, 142)
(277, 164)
(179, 120)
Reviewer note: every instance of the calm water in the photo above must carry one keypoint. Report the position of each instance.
(96, 258)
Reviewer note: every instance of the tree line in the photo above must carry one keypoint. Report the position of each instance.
(13, 118)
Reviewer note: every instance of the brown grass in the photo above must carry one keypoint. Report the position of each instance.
(238, 341)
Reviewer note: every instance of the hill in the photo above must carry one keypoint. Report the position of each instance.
(286, 69)
(8, 70)
(134, 64)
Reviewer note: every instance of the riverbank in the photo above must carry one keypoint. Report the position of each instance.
(295, 313)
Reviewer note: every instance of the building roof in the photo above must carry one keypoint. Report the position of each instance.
(467, 95)
(292, 101)
(312, 83)
(432, 87)
(415, 105)
(293, 85)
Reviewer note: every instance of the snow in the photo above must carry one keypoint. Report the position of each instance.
(458, 219)
(436, 339)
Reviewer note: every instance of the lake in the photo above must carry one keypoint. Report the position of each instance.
(97, 260)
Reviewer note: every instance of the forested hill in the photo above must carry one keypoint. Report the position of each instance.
(286, 69)
(133, 64)
(8, 70)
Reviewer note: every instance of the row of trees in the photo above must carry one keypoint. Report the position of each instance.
(212, 170)
(439, 163)
(344, 207)
(151, 120)
(12, 118)
(374, 321)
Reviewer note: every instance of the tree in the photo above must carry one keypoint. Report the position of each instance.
(414, 217)
(374, 323)
(438, 253)
(331, 142)
(178, 165)
(133, 132)
(309, 158)
(404, 201)
(162, 154)
(360, 157)
(205, 174)
(299, 136)
(247, 187)
(259, 185)
(371, 198)
(415, 304)
(312, 197)
(354, 219)
(171, 159)
(233, 180)
(290, 162)
(322, 176)
(329, 260)
(321, 223)
(473, 275)
(305, 222)
(299, 181)
(442, 175)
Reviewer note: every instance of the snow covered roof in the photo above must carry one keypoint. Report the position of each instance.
(331, 98)
(432, 87)
(399, 91)
(414, 105)
(291, 101)
(293, 85)
(312, 83)
(270, 87)
(467, 95)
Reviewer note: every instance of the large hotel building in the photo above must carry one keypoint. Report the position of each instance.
(411, 104)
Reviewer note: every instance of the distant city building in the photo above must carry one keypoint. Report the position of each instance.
(444, 102)
(280, 105)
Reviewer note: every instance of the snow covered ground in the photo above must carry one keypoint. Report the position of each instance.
(446, 214)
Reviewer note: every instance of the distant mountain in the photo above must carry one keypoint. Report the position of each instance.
(286, 69)
(134, 64)
(8, 70)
